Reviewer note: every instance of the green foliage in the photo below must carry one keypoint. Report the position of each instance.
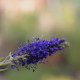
(3, 69)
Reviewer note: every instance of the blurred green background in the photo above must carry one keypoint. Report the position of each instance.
(21, 20)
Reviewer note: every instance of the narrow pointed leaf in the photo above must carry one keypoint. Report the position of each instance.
(12, 64)
(3, 69)
(4, 64)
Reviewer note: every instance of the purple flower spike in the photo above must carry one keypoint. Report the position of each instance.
(36, 50)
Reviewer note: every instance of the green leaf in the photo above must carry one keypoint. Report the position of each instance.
(3, 64)
(3, 69)
(1, 58)
(12, 64)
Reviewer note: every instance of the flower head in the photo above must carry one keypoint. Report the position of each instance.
(36, 50)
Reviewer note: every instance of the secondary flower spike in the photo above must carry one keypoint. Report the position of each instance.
(34, 51)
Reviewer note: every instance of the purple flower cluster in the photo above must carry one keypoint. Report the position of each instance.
(36, 50)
